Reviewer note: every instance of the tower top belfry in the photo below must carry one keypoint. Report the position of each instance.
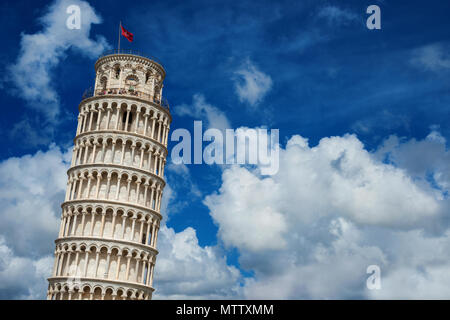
(106, 247)
(125, 72)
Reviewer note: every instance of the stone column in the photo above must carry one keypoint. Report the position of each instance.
(127, 274)
(133, 224)
(118, 265)
(118, 117)
(158, 137)
(74, 225)
(124, 220)
(108, 115)
(141, 160)
(113, 224)
(153, 127)
(88, 191)
(99, 119)
(146, 115)
(102, 226)
(97, 255)
(138, 111)
(55, 264)
(127, 118)
(113, 150)
(151, 196)
(91, 232)
(104, 145)
(83, 218)
(148, 232)
(108, 258)
(86, 259)
(122, 156)
(91, 117)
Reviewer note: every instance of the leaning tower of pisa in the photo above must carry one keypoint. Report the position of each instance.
(106, 247)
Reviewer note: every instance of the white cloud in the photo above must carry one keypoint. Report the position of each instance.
(246, 220)
(31, 190)
(337, 16)
(185, 270)
(41, 52)
(311, 230)
(22, 277)
(420, 269)
(201, 109)
(251, 84)
(423, 159)
(433, 57)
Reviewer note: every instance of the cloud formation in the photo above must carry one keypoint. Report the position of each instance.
(309, 231)
(433, 57)
(31, 190)
(251, 84)
(337, 16)
(201, 109)
(331, 211)
(41, 52)
(185, 270)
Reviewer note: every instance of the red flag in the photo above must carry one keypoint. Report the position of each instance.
(127, 34)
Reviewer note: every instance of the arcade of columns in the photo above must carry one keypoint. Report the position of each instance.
(106, 247)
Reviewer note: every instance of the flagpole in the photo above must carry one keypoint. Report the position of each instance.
(118, 48)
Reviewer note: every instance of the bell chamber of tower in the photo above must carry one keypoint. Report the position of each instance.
(106, 247)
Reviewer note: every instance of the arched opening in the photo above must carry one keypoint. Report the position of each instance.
(86, 293)
(127, 125)
(103, 84)
(117, 71)
(108, 294)
(97, 293)
(131, 83)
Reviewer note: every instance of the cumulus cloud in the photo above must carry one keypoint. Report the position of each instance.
(185, 270)
(250, 223)
(419, 267)
(310, 231)
(201, 109)
(41, 52)
(31, 190)
(433, 57)
(251, 84)
(423, 159)
(332, 210)
(22, 277)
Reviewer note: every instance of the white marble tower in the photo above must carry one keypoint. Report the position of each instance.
(106, 247)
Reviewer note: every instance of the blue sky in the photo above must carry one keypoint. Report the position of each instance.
(328, 76)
